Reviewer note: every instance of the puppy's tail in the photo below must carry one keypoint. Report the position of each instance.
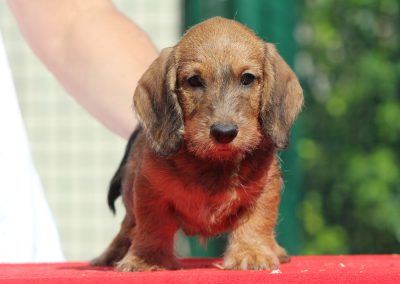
(115, 188)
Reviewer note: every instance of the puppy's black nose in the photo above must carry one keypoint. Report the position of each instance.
(224, 133)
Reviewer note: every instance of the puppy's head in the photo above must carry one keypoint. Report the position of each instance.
(219, 91)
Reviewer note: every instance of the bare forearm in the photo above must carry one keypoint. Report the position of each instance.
(96, 53)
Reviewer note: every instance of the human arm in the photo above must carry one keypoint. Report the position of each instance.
(94, 51)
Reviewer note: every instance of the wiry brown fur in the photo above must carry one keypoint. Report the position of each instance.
(177, 176)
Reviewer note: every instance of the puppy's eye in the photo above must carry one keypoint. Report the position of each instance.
(247, 79)
(195, 81)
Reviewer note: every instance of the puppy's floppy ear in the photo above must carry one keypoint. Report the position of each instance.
(157, 106)
(282, 98)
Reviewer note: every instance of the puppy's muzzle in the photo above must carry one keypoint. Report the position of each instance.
(224, 133)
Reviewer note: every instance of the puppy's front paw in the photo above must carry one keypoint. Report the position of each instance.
(134, 263)
(251, 260)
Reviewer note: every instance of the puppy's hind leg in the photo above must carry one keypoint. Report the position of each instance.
(121, 179)
(118, 247)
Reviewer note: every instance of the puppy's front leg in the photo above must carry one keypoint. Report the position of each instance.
(252, 244)
(152, 237)
(151, 247)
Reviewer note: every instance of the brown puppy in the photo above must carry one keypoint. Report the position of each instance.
(214, 109)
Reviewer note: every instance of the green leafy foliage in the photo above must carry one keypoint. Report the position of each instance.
(350, 151)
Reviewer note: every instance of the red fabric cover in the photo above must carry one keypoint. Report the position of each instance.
(302, 269)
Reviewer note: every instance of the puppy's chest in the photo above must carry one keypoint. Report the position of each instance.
(210, 203)
(200, 213)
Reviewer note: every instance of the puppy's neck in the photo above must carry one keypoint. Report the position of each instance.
(219, 175)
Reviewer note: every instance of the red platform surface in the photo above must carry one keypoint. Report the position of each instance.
(302, 269)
